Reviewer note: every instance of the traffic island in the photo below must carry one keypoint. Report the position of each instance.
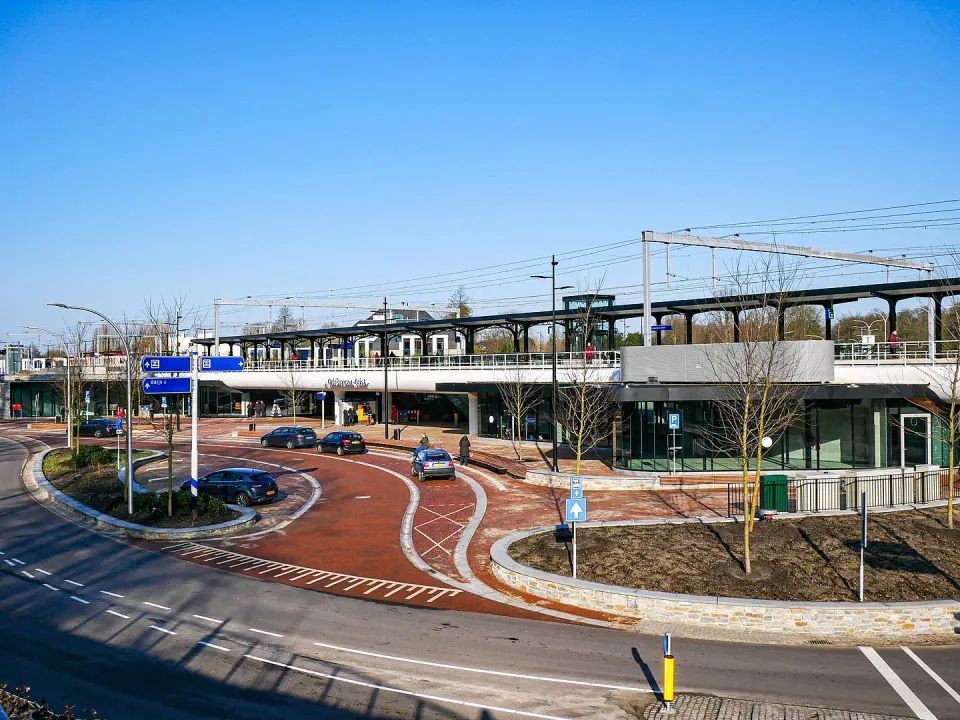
(804, 581)
(90, 488)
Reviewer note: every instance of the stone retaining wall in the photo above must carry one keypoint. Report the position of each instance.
(810, 619)
(561, 480)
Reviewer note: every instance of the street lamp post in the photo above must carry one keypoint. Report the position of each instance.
(66, 355)
(126, 349)
(385, 410)
(552, 277)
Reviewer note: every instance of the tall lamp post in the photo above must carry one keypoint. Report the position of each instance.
(126, 349)
(66, 355)
(552, 277)
(385, 410)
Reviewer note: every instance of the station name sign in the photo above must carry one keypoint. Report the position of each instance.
(348, 383)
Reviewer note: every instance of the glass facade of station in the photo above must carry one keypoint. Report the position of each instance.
(841, 434)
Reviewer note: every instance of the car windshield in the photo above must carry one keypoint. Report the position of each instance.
(353, 436)
(304, 430)
(261, 478)
(436, 456)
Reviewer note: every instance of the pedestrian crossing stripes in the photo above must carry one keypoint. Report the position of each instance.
(310, 577)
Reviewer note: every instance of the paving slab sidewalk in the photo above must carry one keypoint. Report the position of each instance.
(708, 707)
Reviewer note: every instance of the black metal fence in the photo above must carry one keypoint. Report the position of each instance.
(820, 493)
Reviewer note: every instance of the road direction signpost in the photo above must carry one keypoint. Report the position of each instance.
(661, 328)
(227, 363)
(863, 537)
(86, 402)
(322, 396)
(576, 487)
(166, 386)
(576, 511)
(673, 424)
(119, 432)
(166, 364)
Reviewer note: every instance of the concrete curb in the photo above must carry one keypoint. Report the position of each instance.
(44, 490)
(846, 619)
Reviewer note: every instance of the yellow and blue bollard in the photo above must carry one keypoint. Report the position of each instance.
(667, 672)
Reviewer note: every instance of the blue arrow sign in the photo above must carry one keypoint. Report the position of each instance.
(166, 364)
(576, 510)
(660, 328)
(119, 424)
(321, 396)
(576, 487)
(166, 386)
(229, 363)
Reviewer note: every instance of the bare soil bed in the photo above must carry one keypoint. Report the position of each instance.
(910, 556)
(98, 487)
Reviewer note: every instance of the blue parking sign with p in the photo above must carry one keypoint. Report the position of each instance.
(673, 421)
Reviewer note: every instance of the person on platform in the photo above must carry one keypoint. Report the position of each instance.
(464, 450)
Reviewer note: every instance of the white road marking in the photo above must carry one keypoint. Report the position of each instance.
(929, 671)
(10, 563)
(209, 619)
(51, 587)
(499, 673)
(265, 632)
(121, 615)
(163, 630)
(41, 570)
(399, 691)
(2, 553)
(362, 497)
(18, 562)
(28, 574)
(79, 600)
(107, 592)
(75, 584)
(905, 693)
(216, 647)
(161, 607)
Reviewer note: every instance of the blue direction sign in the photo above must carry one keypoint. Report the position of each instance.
(321, 396)
(166, 364)
(166, 386)
(673, 421)
(119, 424)
(229, 363)
(660, 328)
(576, 510)
(576, 487)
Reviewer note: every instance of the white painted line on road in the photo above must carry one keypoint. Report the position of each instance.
(161, 607)
(362, 497)
(106, 592)
(215, 647)
(265, 632)
(375, 587)
(399, 691)
(353, 585)
(163, 630)
(2, 553)
(499, 673)
(75, 584)
(79, 600)
(321, 576)
(929, 671)
(41, 570)
(413, 595)
(28, 574)
(51, 587)
(302, 575)
(209, 619)
(905, 693)
(10, 563)
(18, 562)
(121, 615)
(285, 572)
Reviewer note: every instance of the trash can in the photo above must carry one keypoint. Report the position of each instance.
(396, 434)
(774, 493)
(59, 418)
(252, 426)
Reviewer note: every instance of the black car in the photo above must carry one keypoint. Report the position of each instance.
(290, 437)
(342, 443)
(238, 486)
(98, 427)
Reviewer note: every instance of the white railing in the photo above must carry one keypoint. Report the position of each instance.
(610, 359)
(899, 353)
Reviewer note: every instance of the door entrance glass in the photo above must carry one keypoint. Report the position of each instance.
(915, 439)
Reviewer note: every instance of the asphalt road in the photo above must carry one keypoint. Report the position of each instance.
(138, 634)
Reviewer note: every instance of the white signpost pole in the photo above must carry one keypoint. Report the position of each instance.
(574, 549)
(194, 416)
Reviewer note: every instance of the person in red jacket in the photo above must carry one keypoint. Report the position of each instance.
(894, 344)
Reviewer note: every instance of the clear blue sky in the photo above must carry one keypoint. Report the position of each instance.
(224, 149)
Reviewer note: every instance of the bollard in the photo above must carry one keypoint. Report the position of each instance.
(667, 671)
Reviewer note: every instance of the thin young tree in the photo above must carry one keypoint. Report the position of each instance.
(519, 396)
(758, 395)
(293, 391)
(460, 300)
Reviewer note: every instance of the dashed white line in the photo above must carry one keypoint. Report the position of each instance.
(399, 691)
(265, 632)
(120, 615)
(929, 671)
(900, 687)
(28, 574)
(161, 607)
(107, 592)
(51, 587)
(42, 571)
(362, 497)
(215, 647)
(10, 563)
(79, 600)
(209, 619)
(18, 562)
(75, 584)
(162, 629)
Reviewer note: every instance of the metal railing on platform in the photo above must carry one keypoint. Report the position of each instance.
(900, 352)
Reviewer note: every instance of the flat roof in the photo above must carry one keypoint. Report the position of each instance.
(811, 296)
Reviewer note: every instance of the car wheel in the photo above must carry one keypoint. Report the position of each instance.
(98, 433)
(263, 443)
(421, 476)
(289, 444)
(243, 499)
(413, 470)
(340, 450)
(320, 448)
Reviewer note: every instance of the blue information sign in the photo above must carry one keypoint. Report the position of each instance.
(166, 364)
(673, 421)
(659, 328)
(321, 396)
(166, 386)
(119, 424)
(576, 510)
(230, 363)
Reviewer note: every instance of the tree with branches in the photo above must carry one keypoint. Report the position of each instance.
(758, 396)
(293, 391)
(461, 300)
(519, 396)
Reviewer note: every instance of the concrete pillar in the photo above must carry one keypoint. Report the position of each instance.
(828, 321)
(891, 315)
(473, 420)
(526, 338)
(471, 347)
(516, 339)
(736, 325)
(337, 407)
(688, 317)
(938, 318)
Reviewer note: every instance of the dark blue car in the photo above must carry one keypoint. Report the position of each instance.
(238, 486)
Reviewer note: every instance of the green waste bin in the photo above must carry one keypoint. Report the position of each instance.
(773, 493)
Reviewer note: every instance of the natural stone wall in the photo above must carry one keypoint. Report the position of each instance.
(593, 482)
(814, 619)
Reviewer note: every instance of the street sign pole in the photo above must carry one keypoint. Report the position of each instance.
(194, 416)
(574, 549)
(863, 537)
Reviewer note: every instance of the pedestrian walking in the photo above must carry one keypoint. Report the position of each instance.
(589, 353)
(894, 343)
(464, 450)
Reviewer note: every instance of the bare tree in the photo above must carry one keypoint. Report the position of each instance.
(75, 338)
(758, 396)
(293, 391)
(461, 301)
(519, 396)
(285, 320)
(585, 403)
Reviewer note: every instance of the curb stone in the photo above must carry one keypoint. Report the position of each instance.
(40, 487)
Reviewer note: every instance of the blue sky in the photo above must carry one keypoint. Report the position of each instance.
(225, 149)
